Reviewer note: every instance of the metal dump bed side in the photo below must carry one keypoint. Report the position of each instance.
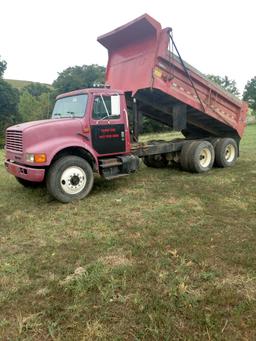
(141, 64)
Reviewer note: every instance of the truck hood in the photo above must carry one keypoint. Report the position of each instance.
(42, 123)
(36, 133)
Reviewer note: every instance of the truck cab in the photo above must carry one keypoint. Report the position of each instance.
(103, 117)
(87, 131)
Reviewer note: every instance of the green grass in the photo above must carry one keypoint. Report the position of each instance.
(20, 84)
(159, 255)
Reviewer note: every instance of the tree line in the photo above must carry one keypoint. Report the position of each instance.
(35, 101)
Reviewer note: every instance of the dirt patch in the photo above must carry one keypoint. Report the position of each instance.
(244, 285)
(115, 260)
(77, 273)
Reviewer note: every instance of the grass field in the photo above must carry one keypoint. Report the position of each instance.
(159, 255)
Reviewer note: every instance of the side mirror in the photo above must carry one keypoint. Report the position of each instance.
(115, 105)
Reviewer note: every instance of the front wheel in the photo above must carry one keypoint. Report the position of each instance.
(70, 178)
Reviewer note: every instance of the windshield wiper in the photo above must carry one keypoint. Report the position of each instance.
(108, 117)
(71, 113)
(57, 114)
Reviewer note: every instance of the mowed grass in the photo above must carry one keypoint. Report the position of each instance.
(159, 255)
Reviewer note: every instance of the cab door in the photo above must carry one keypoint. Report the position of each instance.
(107, 124)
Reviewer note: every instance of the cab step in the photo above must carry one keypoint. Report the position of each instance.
(116, 167)
(111, 162)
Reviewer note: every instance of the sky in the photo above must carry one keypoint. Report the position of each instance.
(40, 38)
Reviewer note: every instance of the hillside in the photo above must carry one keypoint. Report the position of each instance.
(19, 84)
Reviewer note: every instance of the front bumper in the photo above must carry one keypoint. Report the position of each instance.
(20, 171)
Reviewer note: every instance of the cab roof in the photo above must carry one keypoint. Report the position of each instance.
(90, 91)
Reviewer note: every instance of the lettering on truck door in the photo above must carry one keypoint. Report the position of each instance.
(107, 125)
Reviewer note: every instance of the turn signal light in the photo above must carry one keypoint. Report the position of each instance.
(40, 158)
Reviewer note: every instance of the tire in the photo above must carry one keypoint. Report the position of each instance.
(200, 157)
(184, 155)
(214, 141)
(155, 161)
(27, 183)
(70, 178)
(226, 152)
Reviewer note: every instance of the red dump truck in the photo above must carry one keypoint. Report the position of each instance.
(89, 131)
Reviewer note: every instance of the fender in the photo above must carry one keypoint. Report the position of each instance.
(55, 145)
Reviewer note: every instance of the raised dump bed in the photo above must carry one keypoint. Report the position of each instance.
(142, 64)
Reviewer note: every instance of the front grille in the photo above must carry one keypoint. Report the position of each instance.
(14, 140)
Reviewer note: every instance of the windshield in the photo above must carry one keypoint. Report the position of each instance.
(72, 106)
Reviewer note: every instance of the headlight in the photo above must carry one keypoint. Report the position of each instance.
(30, 157)
(36, 158)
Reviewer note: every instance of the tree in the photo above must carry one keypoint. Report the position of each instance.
(3, 66)
(9, 98)
(79, 77)
(28, 107)
(249, 94)
(45, 106)
(32, 108)
(41, 103)
(36, 89)
(225, 83)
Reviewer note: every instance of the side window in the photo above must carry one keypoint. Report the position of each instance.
(105, 106)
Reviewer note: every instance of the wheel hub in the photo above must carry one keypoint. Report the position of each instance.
(73, 180)
(205, 157)
(230, 153)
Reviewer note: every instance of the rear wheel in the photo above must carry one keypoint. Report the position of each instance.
(197, 156)
(201, 157)
(70, 178)
(226, 152)
(185, 155)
